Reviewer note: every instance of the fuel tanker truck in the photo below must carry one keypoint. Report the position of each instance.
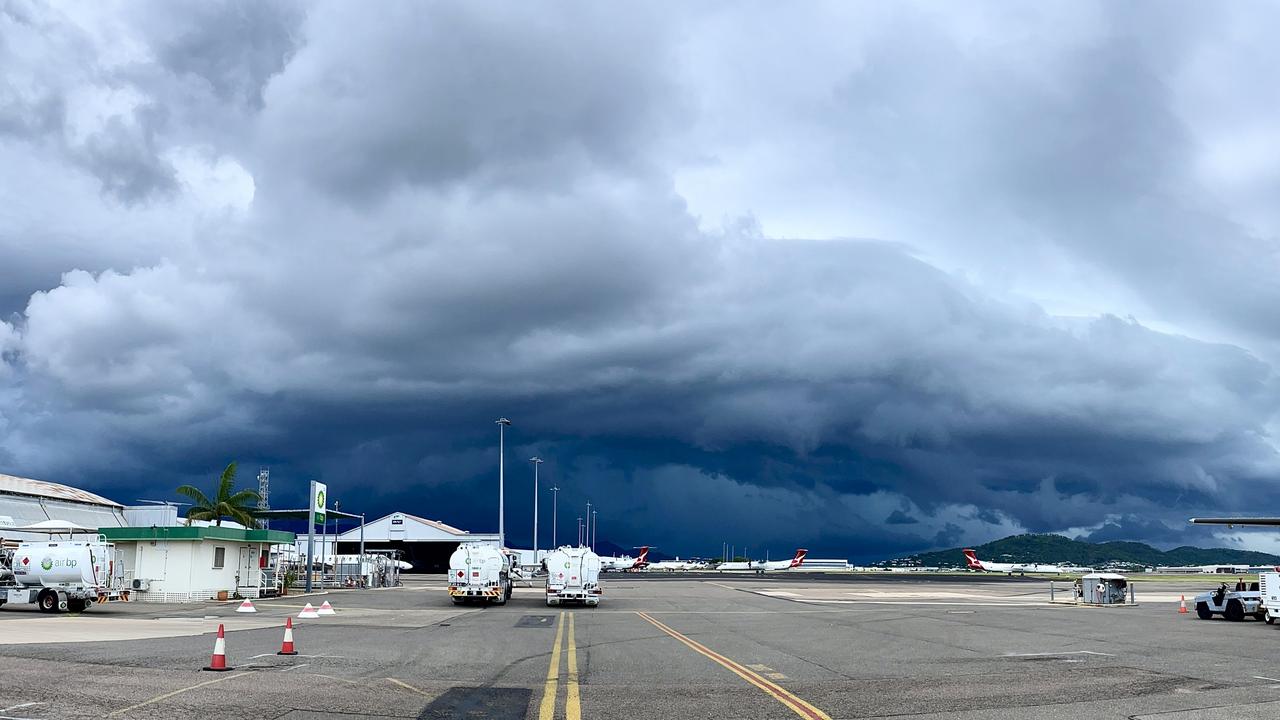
(60, 576)
(573, 576)
(480, 572)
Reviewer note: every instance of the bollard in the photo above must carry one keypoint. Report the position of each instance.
(1050, 591)
(1133, 598)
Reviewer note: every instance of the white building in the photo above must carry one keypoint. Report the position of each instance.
(426, 544)
(192, 564)
(26, 502)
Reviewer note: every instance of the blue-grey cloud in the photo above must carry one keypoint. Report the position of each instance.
(937, 280)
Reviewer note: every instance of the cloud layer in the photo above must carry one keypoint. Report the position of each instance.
(865, 279)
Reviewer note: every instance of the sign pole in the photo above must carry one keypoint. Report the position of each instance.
(311, 532)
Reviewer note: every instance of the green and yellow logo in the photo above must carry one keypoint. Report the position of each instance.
(320, 500)
(47, 563)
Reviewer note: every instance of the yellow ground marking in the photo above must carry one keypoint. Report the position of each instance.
(408, 687)
(547, 710)
(782, 695)
(573, 702)
(168, 695)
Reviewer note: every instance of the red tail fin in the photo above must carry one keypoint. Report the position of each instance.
(643, 559)
(798, 560)
(972, 559)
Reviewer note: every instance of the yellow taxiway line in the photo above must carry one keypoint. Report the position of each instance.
(573, 702)
(779, 693)
(551, 689)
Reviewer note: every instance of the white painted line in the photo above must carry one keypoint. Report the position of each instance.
(1066, 652)
(949, 604)
(168, 695)
(10, 717)
(1259, 677)
(721, 585)
(20, 705)
(330, 657)
(295, 667)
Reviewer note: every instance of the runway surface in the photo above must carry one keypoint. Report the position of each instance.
(713, 647)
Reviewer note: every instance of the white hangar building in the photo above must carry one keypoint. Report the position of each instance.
(25, 502)
(427, 544)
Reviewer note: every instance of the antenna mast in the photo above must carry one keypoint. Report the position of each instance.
(264, 493)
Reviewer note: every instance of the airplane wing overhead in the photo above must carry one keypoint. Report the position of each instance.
(1237, 521)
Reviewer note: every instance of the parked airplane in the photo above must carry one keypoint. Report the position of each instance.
(677, 564)
(761, 566)
(971, 558)
(626, 562)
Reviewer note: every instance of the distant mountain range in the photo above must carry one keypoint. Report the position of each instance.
(1059, 549)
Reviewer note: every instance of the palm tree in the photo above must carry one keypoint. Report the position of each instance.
(225, 503)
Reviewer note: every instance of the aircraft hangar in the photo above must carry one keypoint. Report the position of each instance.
(426, 544)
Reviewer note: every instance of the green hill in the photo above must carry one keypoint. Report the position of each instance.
(1059, 549)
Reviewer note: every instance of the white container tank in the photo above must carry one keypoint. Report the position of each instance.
(54, 564)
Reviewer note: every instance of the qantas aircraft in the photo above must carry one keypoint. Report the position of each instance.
(626, 562)
(761, 566)
(1021, 568)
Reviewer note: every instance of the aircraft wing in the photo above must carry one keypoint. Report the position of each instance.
(1237, 521)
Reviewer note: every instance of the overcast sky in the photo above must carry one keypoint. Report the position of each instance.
(868, 278)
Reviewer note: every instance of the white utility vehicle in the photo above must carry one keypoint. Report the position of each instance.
(1269, 588)
(573, 575)
(480, 572)
(1231, 604)
(60, 576)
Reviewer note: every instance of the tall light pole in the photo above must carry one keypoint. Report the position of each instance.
(555, 501)
(595, 529)
(536, 462)
(579, 531)
(587, 526)
(503, 424)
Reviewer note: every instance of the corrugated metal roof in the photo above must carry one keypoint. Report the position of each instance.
(40, 488)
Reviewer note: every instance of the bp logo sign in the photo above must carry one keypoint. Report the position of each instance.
(566, 566)
(47, 563)
(320, 499)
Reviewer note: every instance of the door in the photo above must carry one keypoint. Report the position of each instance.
(246, 573)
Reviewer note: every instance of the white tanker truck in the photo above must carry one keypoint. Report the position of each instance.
(573, 576)
(480, 572)
(60, 576)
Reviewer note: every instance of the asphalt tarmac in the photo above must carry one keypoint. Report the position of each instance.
(713, 647)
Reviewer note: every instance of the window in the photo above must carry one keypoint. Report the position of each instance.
(219, 557)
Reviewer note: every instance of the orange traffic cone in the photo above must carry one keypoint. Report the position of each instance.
(286, 647)
(326, 609)
(219, 661)
(1182, 604)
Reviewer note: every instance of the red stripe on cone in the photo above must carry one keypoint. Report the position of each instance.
(286, 647)
(219, 661)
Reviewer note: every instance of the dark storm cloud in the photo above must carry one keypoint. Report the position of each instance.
(342, 243)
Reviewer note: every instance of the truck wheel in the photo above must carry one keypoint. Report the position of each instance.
(1203, 611)
(1268, 617)
(48, 601)
(76, 606)
(1234, 611)
(458, 601)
